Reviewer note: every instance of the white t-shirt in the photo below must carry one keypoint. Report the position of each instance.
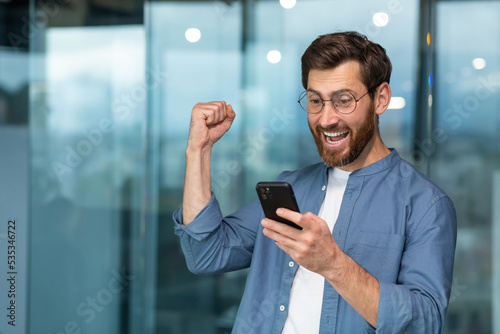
(306, 296)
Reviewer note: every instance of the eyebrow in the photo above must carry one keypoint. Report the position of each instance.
(332, 94)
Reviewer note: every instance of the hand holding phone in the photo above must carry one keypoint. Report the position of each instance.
(274, 195)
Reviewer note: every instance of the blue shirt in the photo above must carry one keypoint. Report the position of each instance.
(393, 221)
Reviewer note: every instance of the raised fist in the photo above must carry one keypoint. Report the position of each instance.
(209, 122)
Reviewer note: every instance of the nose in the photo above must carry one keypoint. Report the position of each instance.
(329, 115)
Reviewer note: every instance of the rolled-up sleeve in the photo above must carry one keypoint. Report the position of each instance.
(213, 244)
(205, 222)
(417, 303)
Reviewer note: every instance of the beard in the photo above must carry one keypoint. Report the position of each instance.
(357, 143)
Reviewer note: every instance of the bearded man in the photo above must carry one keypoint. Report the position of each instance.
(377, 244)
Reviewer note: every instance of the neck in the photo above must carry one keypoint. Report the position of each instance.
(374, 151)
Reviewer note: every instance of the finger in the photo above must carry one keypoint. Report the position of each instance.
(203, 112)
(293, 216)
(221, 113)
(279, 238)
(211, 113)
(230, 112)
(287, 250)
(287, 244)
(281, 229)
(229, 118)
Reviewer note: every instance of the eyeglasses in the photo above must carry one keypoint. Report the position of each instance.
(343, 101)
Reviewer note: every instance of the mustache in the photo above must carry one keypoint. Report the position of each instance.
(333, 128)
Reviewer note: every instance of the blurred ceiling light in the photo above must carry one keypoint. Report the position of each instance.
(479, 63)
(288, 3)
(193, 35)
(274, 56)
(380, 19)
(397, 103)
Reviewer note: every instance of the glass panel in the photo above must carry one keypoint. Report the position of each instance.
(14, 185)
(206, 70)
(88, 98)
(466, 161)
(14, 167)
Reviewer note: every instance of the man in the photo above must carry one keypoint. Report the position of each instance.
(376, 249)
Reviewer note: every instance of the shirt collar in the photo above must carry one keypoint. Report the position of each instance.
(376, 167)
(379, 166)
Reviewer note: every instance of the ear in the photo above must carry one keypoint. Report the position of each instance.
(382, 98)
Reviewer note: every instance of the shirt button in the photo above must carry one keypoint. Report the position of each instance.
(291, 264)
(282, 308)
(323, 188)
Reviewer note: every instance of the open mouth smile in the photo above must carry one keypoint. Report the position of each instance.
(335, 137)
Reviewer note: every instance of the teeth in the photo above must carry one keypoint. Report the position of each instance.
(334, 134)
(330, 135)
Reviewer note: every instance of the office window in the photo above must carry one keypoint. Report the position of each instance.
(466, 160)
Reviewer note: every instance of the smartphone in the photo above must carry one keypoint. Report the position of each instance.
(274, 195)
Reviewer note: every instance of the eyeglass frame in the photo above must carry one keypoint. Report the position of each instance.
(304, 94)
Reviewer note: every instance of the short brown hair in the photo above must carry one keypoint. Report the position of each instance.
(330, 50)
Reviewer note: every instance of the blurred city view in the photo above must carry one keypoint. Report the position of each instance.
(103, 91)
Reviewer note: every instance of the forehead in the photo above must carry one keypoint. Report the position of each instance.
(345, 76)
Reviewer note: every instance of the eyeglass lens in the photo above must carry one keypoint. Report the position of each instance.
(344, 102)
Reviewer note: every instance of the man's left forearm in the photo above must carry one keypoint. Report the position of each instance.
(360, 289)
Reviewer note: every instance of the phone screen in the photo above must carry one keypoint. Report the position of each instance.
(274, 195)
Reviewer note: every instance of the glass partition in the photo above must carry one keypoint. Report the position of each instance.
(466, 159)
(88, 91)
